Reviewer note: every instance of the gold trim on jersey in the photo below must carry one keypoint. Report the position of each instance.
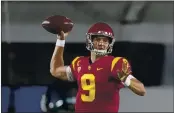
(114, 61)
(73, 62)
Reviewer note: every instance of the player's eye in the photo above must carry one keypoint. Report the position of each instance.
(105, 40)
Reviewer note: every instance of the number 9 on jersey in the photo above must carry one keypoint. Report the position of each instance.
(88, 87)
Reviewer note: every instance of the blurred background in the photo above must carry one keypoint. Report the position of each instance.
(144, 34)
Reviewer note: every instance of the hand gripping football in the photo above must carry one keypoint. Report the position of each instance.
(57, 23)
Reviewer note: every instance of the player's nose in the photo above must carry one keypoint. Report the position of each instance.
(101, 42)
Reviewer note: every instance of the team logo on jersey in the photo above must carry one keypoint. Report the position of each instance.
(89, 67)
(98, 69)
(78, 69)
(78, 63)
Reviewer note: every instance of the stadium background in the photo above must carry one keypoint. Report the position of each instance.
(144, 34)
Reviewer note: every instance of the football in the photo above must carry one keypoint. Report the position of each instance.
(57, 23)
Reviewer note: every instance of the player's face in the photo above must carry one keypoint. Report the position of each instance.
(101, 42)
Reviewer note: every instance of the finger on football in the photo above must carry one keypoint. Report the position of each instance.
(62, 35)
(66, 34)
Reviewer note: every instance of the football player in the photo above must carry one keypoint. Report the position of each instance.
(99, 76)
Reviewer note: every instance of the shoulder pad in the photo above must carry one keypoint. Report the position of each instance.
(75, 61)
(114, 62)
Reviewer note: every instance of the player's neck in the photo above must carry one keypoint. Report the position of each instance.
(95, 57)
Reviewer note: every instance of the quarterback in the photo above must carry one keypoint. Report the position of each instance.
(99, 76)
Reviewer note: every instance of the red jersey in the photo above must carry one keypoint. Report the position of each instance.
(98, 86)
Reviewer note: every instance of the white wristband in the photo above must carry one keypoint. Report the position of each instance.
(60, 43)
(128, 80)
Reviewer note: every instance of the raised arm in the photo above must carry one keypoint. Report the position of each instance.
(57, 68)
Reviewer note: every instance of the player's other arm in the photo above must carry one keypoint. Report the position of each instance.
(133, 84)
(57, 68)
(122, 69)
(125, 75)
(137, 87)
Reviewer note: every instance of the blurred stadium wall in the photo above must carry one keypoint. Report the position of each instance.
(147, 41)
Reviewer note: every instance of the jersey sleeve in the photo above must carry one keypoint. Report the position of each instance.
(73, 67)
(119, 64)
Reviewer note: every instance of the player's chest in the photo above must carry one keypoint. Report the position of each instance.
(98, 72)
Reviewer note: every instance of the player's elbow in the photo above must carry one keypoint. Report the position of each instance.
(53, 72)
